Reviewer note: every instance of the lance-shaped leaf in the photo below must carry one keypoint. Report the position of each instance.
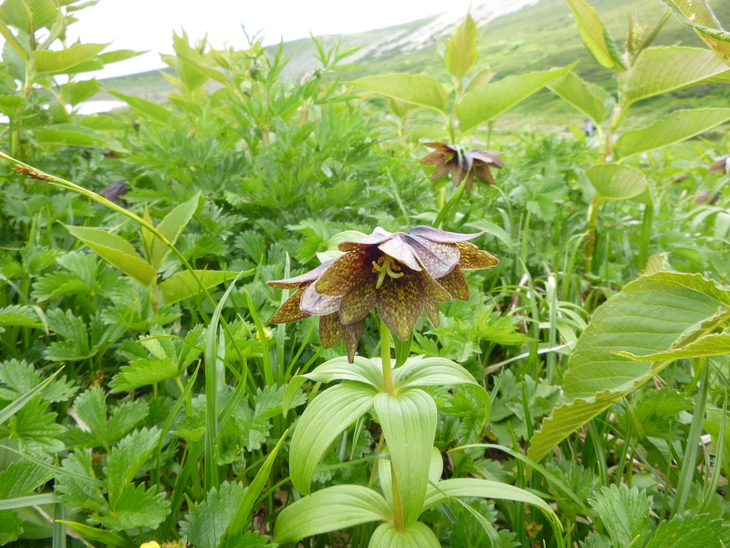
(98, 535)
(78, 92)
(419, 90)
(329, 510)
(409, 425)
(147, 108)
(77, 136)
(461, 51)
(361, 370)
(487, 102)
(662, 69)
(182, 285)
(698, 15)
(587, 98)
(660, 313)
(323, 420)
(117, 251)
(29, 15)
(171, 227)
(417, 535)
(64, 61)
(595, 35)
(673, 128)
(616, 181)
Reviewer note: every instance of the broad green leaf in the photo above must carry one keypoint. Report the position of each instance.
(487, 102)
(137, 507)
(423, 91)
(435, 470)
(117, 251)
(126, 458)
(408, 421)
(328, 510)
(595, 35)
(673, 128)
(146, 108)
(624, 512)
(361, 370)
(461, 51)
(65, 61)
(324, 419)
(658, 313)
(28, 15)
(10, 527)
(417, 535)
(715, 344)
(482, 78)
(171, 227)
(661, 69)
(143, 372)
(12, 41)
(689, 530)
(77, 136)
(581, 95)
(118, 55)
(78, 92)
(206, 523)
(182, 285)
(616, 181)
(98, 535)
(698, 15)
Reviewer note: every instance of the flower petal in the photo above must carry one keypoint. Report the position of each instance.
(437, 258)
(483, 173)
(352, 334)
(318, 305)
(433, 158)
(357, 303)
(290, 311)
(457, 175)
(330, 330)
(455, 283)
(400, 303)
(345, 273)
(297, 281)
(378, 236)
(488, 157)
(442, 236)
(473, 258)
(469, 182)
(720, 165)
(433, 294)
(442, 170)
(399, 249)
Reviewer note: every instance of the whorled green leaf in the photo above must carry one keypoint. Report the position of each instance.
(595, 35)
(117, 251)
(171, 227)
(661, 69)
(673, 128)
(461, 50)
(385, 475)
(324, 419)
(586, 97)
(182, 285)
(417, 535)
(419, 90)
(658, 313)
(487, 102)
(616, 181)
(66, 60)
(408, 421)
(698, 15)
(330, 509)
(361, 370)
(147, 108)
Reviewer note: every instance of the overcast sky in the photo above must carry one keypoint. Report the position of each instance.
(148, 24)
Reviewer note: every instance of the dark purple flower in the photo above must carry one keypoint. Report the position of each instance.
(114, 191)
(462, 164)
(720, 165)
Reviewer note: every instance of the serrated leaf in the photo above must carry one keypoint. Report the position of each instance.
(90, 407)
(330, 509)
(35, 429)
(489, 101)
(142, 106)
(124, 417)
(76, 493)
(143, 372)
(21, 378)
(661, 69)
(461, 51)
(595, 35)
(324, 419)
(15, 406)
(67, 60)
(616, 181)
(418, 534)
(690, 530)
(182, 285)
(420, 90)
(581, 95)
(698, 15)
(10, 526)
(171, 227)
(19, 316)
(673, 128)
(207, 522)
(249, 539)
(20, 478)
(409, 426)
(126, 459)
(623, 511)
(117, 251)
(137, 507)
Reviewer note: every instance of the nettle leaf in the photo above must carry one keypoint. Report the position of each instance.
(126, 458)
(418, 534)
(616, 181)
(182, 285)
(656, 314)
(587, 98)
(20, 478)
(35, 429)
(420, 90)
(72, 328)
(171, 227)
(136, 507)
(143, 372)
(461, 51)
(673, 128)
(10, 526)
(18, 378)
(321, 423)
(249, 539)
(19, 316)
(328, 510)
(76, 493)
(207, 522)
(595, 35)
(689, 530)
(699, 16)
(624, 513)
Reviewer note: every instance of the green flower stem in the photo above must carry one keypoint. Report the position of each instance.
(449, 205)
(388, 386)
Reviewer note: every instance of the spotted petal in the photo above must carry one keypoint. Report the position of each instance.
(290, 311)
(352, 334)
(437, 258)
(400, 303)
(298, 281)
(378, 236)
(330, 330)
(399, 249)
(359, 302)
(345, 273)
(433, 294)
(489, 157)
(473, 258)
(442, 236)
(318, 305)
(455, 283)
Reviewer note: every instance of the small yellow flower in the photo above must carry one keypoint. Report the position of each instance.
(152, 544)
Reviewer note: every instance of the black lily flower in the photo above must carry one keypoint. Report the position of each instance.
(720, 165)
(400, 273)
(462, 164)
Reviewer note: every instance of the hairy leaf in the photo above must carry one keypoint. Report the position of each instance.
(623, 511)
(207, 521)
